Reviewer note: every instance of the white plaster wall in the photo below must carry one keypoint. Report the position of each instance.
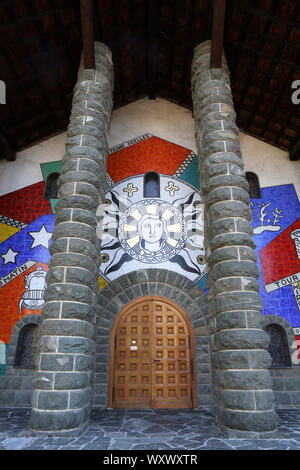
(26, 170)
(162, 119)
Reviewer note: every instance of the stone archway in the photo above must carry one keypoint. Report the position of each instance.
(188, 296)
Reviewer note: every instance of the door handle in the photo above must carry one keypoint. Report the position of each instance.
(156, 360)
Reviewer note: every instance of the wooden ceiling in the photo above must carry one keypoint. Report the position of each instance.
(152, 42)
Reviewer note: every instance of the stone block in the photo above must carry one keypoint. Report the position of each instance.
(43, 380)
(75, 345)
(74, 229)
(69, 327)
(236, 399)
(231, 360)
(263, 421)
(74, 259)
(77, 201)
(241, 339)
(80, 398)
(237, 300)
(69, 293)
(244, 379)
(56, 362)
(71, 380)
(54, 421)
(52, 400)
(83, 362)
(264, 399)
(23, 397)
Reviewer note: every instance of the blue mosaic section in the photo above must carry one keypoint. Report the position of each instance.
(202, 284)
(30, 243)
(278, 207)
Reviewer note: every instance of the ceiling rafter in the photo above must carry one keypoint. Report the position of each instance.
(87, 33)
(217, 33)
(41, 44)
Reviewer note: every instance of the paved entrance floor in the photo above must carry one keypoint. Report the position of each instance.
(146, 430)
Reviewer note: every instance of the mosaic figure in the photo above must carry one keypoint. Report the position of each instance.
(35, 285)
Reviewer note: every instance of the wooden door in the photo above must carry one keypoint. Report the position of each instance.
(152, 357)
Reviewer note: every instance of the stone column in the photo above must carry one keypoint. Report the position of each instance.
(63, 387)
(242, 384)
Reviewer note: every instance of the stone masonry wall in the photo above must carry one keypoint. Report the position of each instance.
(16, 384)
(243, 392)
(63, 387)
(286, 380)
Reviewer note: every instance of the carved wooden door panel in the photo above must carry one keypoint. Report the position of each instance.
(152, 365)
(172, 378)
(132, 374)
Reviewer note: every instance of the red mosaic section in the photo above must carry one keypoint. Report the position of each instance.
(279, 258)
(297, 338)
(153, 154)
(10, 297)
(26, 204)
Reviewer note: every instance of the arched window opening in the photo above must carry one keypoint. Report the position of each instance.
(151, 184)
(254, 186)
(27, 347)
(278, 347)
(51, 188)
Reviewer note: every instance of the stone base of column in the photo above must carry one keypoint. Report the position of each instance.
(61, 423)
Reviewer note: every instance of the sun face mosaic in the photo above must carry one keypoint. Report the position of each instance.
(140, 232)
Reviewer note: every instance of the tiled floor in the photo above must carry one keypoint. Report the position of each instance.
(145, 430)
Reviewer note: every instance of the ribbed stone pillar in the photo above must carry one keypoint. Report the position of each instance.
(242, 384)
(63, 386)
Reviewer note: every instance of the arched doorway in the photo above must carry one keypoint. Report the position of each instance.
(152, 356)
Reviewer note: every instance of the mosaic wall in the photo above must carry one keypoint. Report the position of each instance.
(141, 231)
(276, 227)
(26, 225)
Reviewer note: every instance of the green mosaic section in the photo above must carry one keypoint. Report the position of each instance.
(190, 174)
(50, 167)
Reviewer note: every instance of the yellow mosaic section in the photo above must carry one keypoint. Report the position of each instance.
(101, 283)
(7, 231)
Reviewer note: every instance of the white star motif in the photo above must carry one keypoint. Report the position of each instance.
(40, 238)
(10, 256)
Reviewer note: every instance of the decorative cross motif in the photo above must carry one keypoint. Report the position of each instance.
(130, 189)
(171, 188)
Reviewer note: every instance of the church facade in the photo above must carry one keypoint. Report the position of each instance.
(153, 279)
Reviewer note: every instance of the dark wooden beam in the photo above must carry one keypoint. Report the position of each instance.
(295, 152)
(153, 15)
(6, 150)
(217, 33)
(87, 33)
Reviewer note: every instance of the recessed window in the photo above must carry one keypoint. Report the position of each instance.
(51, 188)
(278, 347)
(254, 186)
(27, 347)
(151, 184)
